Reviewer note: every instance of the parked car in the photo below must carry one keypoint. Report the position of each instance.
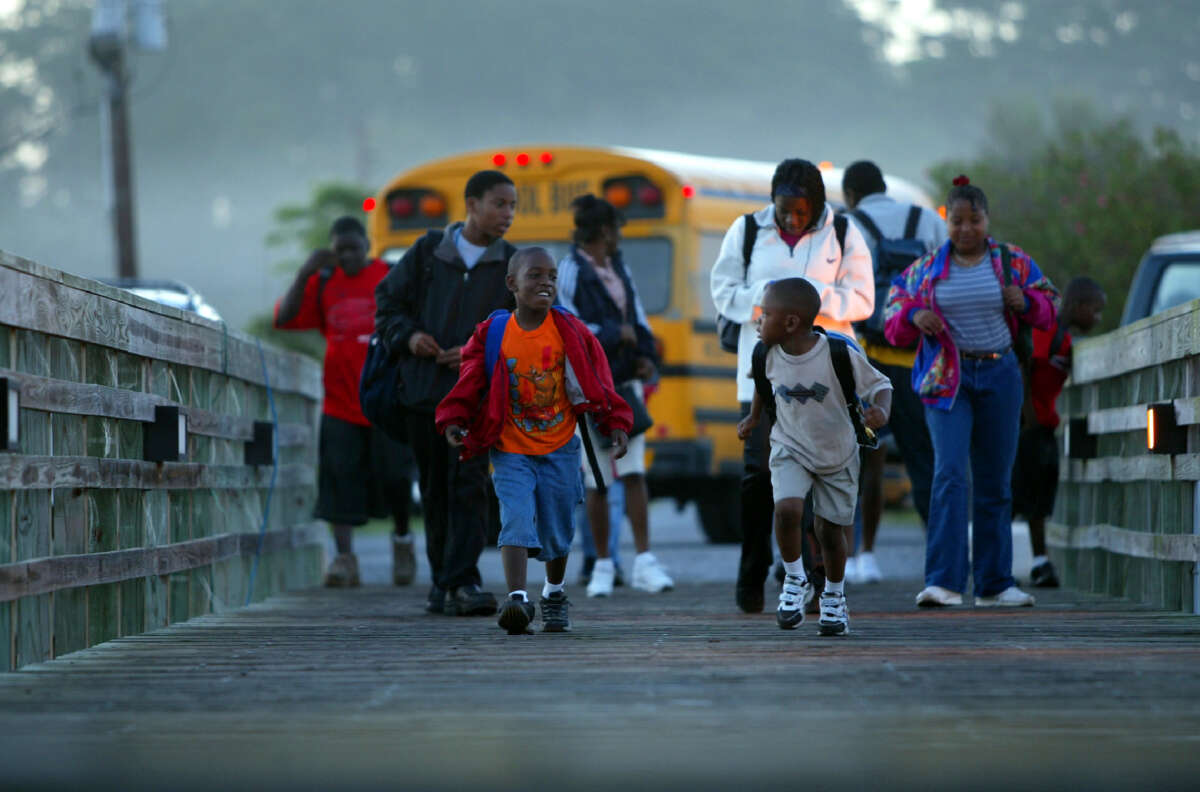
(1169, 275)
(167, 292)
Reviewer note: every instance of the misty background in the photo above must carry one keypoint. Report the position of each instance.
(256, 101)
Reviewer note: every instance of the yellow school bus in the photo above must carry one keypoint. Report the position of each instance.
(678, 208)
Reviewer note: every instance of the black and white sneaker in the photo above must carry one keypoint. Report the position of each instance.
(555, 616)
(515, 616)
(835, 616)
(794, 595)
(1044, 575)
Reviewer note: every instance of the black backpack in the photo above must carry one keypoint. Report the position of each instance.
(839, 354)
(378, 385)
(729, 331)
(890, 258)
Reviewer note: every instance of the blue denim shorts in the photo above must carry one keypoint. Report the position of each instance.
(538, 495)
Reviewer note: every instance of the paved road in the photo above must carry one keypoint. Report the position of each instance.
(361, 689)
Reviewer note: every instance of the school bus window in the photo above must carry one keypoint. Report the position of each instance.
(648, 260)
(637, 197)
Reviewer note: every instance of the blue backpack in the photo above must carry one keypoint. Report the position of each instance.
(491, 355)
(890, 258)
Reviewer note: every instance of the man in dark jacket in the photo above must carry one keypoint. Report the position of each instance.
(427, 308)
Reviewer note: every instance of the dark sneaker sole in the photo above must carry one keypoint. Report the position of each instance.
(836, 628)
(556, 627)
(515, 619)
(789, 620)
(478, 610)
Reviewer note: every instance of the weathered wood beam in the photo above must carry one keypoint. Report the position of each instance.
(1161, 338)
(43, 575)
(1139, 544)
(46, 472)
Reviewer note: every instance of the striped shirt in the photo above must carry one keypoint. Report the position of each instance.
(971, 302)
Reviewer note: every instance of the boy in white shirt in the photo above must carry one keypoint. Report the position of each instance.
(813, 443)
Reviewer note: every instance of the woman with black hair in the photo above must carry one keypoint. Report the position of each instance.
(966, 302)
(797, 235)
(594, 284)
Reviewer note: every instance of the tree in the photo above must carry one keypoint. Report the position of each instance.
(304, 228)
(1083, 195)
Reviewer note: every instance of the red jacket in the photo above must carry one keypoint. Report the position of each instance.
(481, 406)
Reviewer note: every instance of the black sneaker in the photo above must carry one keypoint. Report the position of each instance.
(554, 613)
(470, 600)
(516, 615)
(1044, 575)
(436, 603)
(796, 593)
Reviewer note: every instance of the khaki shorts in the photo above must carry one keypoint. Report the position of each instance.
(633, 462)
(834, 494)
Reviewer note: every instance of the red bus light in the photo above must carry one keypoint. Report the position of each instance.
(689, 191)
(618, 195)
(649, 195)
(401, 207)
(368, 204)
(522, 159)
(498, 160)
(546, 158)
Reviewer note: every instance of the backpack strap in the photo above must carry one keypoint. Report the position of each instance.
(1060, 332)
(910, 225)
(323, 277)
(1006, 264)
(749, 235)
(867, 223)
(839, 354)
(762, 385)
(839, 230)
(495, 334)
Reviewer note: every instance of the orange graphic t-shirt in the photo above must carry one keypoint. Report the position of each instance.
(540, 419)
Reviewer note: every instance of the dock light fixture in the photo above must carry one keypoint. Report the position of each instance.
(1081, 443)
(165, 438)
(261, 449)
(1164, 435)
(10, 414)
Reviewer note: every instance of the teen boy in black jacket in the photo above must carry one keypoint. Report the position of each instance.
(426, 309)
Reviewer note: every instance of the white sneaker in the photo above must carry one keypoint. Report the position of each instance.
(794, 597)
(936, 596)
(852, 570)
(835, 616)
(1011, 597)
(648, 574)
(868, 569)
(603, 574)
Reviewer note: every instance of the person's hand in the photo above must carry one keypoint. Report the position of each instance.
(317, 261)
(628, 335)
(455, 435)
(928, 322)
(644, 369)
(874, 417)
(620, 442)
(1014, 298)
(746, 426)
(451, 357)
(423, 345)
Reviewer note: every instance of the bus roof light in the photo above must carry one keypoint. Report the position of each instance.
(499, 160)
(825, 165)
(522, 159)
(689, 191)
(546, 158)
(368, 204)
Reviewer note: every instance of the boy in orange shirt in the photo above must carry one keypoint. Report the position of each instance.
(524, 380)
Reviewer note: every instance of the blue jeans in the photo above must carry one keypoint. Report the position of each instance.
(980, 429)
(616, 516)
(538, 495)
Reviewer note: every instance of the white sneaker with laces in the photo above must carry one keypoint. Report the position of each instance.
(648, 574)
(852, 570)
(1011, 597)
(936, 596)
(796, 593)
(603, 575)
(868, 569)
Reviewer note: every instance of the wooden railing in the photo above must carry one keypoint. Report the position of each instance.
(96, 542)
(1126, 521)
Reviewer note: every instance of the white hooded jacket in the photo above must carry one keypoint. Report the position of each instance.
(843, 278)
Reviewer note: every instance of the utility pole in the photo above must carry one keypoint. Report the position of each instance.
(107, 46)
